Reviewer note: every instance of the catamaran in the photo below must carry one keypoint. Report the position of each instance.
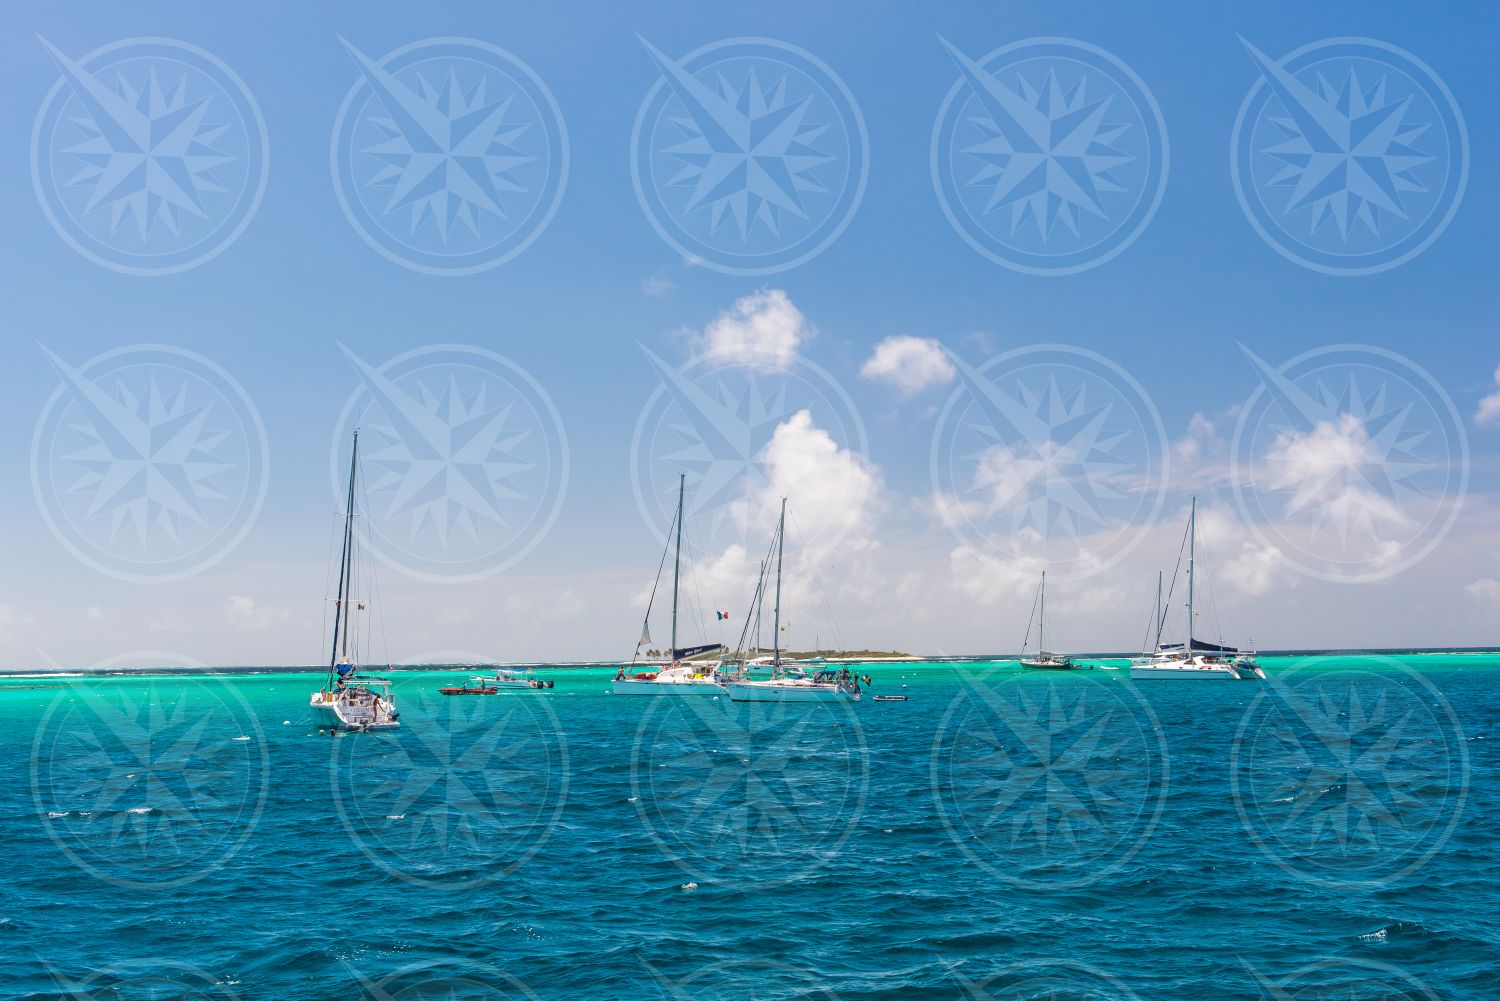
(787, 683)
(1193, 659)
(350, 700)
(1044, 660)
(683, 676)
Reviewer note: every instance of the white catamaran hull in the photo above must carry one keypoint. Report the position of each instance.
(773, 691)
(628, 687)
(1144, 672)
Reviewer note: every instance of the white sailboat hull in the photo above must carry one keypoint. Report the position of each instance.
(330, 712)
(778, 691)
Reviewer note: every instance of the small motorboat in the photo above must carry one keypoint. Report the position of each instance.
(889, 698)
(518, 679)
(475, 686)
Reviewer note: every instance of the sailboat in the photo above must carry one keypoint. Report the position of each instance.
(788, 683)
(1044, 660)
(350, 700)
(1194, 659)
(682, 677)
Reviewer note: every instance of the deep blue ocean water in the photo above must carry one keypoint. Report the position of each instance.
(1001, 834)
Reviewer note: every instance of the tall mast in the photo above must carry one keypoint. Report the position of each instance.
(346, 572)
(1192, 545)
(1041, 620)
(1158, 615)
(776, 622)
(677, 559)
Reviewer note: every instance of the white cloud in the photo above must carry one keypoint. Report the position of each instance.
(658, 285)
(95, 613)
(1489, 407)
(1485, 590)
(1324, 470)
(242, 611)
(763, 329)
(1199, 439)
(831, 491)
(911, 364)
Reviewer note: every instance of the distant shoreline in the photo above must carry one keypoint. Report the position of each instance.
(851, 658)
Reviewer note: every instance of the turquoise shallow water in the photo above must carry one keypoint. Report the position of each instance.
(1001, 834)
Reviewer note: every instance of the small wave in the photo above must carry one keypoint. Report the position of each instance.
(239, 738)
(396, 816)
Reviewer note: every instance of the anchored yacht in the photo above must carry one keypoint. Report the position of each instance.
(1195, 659)
(351, 700)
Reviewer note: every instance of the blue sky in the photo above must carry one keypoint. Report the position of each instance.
(598, 283)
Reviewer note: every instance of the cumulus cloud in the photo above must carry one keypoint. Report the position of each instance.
(1488, 411)
(1324, 470)
(763, 329)
(911, 364)
(1199, 439)
(832, 490)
